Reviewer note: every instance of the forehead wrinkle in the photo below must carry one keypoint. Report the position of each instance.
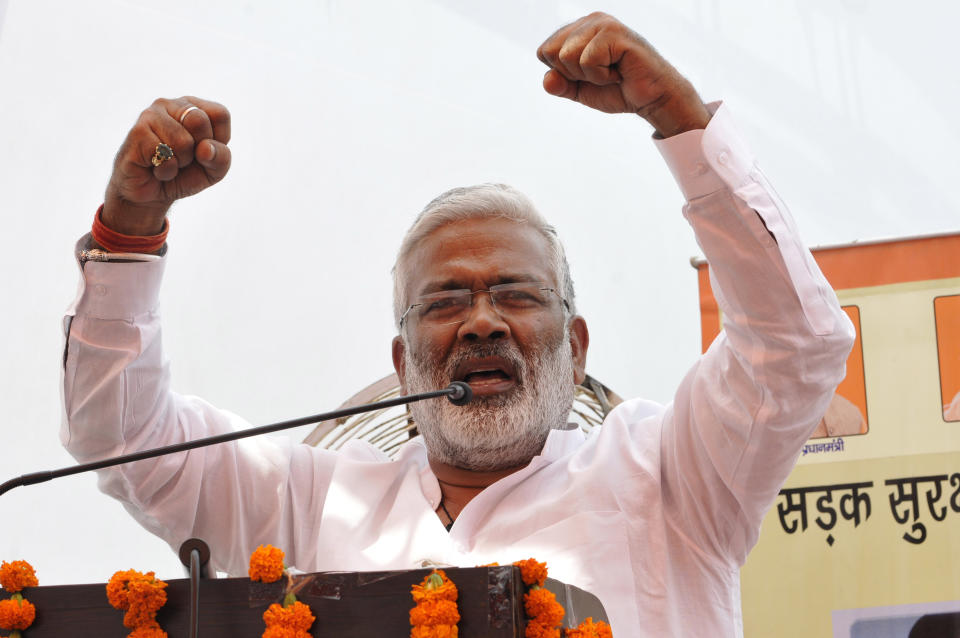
(460, 283)
(458, 254)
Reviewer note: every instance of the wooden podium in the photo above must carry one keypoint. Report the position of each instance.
(346, 604)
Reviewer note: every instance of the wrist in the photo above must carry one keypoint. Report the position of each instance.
(113, 241)
(132, 219)
(678, 113)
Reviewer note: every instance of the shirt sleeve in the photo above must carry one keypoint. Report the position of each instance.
(117, 399)
(741, 415)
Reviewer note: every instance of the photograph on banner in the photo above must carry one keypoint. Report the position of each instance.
(946, 310)
(847, 413)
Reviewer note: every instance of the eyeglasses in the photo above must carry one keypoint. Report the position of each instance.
(453, 306)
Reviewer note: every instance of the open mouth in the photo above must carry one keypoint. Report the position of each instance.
(488, 375)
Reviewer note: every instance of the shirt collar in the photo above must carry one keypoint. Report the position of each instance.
(562, 442)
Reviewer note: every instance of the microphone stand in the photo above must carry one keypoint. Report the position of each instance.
(195, 554)
(458, 392)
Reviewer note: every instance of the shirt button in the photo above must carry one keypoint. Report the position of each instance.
(698, 169)
(100, 290)
(723, 157)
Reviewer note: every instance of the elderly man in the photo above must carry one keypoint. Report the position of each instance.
(654, 513)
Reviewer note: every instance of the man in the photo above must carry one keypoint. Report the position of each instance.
(655, 513)
(843, 418)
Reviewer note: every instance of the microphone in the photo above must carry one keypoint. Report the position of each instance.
(458, 392)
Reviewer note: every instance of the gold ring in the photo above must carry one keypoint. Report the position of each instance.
(161, 154)
(184, 114)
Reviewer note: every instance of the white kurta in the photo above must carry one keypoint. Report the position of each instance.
(654, 513)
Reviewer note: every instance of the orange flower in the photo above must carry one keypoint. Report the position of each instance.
(17, 575)
(266, 564)
(117, 587)
(16, 613)
(277, 631)
(539, 630)
(435, 631)
(590, 629)
(542, 607)
(148, 595)
(435, 612)
(532, 572)
(139, 616)
(148, 631)
(140, 595)
(296, 616)
(436, 586)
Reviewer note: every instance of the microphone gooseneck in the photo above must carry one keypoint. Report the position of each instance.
(458, 392)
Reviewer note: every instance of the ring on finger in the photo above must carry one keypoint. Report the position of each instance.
(161, 154)
(183, 115)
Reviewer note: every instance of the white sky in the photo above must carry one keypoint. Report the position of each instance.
(347, 118)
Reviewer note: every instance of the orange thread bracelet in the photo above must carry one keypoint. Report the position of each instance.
(115, 242)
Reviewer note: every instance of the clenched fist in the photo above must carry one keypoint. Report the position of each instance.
(601, 63)
(140, 193)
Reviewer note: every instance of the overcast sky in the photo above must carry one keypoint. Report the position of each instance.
(347, 118)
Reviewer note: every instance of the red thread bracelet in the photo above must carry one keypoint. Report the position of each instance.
(115, 242)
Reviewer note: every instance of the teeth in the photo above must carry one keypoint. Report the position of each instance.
(486, 372)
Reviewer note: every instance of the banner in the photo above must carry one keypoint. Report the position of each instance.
(864, 538)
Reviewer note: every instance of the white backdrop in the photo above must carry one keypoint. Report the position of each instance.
(347, 118)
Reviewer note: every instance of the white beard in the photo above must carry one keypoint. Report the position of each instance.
(498, 431)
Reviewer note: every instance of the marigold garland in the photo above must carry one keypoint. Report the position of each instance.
(148, 631)
(532, 572)
(141, 596)
(435, 614)
(542, 608)
(545, 613)
(17, 613)
(536, 630)
(294, 615)
(292, 619)
(16, 575)
(434, 631)
(266, 564)
(590, 629)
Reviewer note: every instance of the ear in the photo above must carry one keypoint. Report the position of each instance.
(399, 348)
(579, 341)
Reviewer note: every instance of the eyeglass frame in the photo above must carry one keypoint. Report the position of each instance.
(490, 291)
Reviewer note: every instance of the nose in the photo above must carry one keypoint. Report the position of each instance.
(483, 320)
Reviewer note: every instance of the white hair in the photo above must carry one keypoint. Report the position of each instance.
(478, 202)
(500, 431)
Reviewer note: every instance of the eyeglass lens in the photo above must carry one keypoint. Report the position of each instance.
(453, 306)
